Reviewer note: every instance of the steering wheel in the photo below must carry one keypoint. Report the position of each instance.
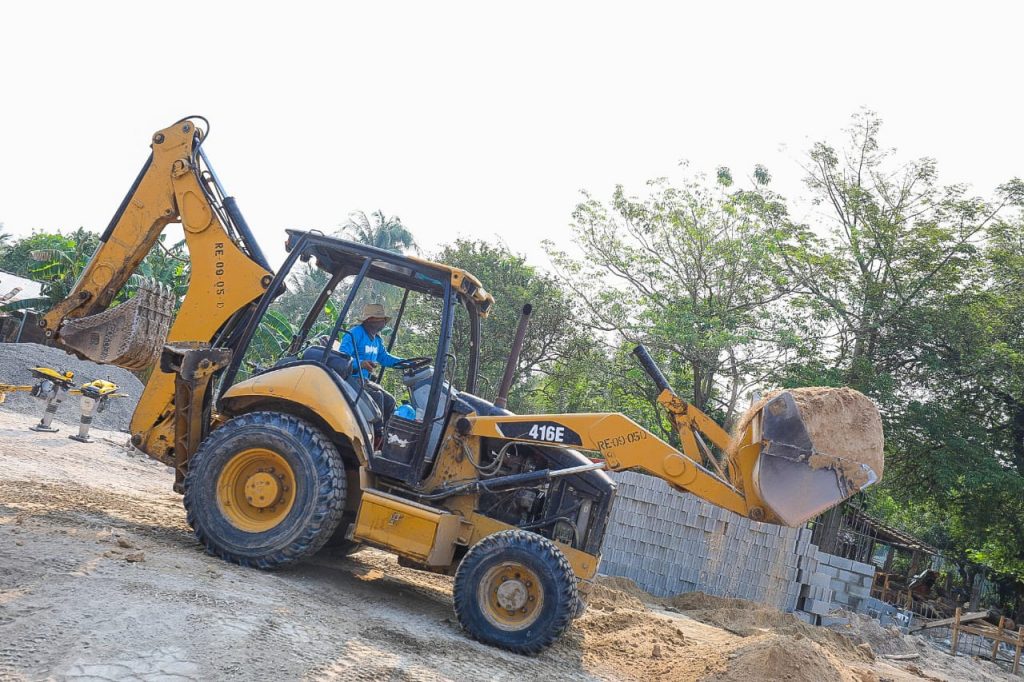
(413, 364)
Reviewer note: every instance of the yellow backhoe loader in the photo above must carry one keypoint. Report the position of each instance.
(281, 452)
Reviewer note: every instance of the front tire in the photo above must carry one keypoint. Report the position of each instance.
(265, 490)
(515, 590)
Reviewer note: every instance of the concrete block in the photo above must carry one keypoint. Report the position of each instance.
(661, 584)
(875, 607)
(816, 606)
(840, 562)
(809, 618)
(819, 580)
(859, 591)
(829, 621)
(863, 569)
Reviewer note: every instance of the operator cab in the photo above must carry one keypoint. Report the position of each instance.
(312, 308)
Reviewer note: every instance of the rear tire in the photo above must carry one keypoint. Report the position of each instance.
(265, 490)
(515, 590)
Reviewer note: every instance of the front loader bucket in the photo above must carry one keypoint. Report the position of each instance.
(819, 447)
(130, 335)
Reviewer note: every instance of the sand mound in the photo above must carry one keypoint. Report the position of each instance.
(785, 658)
(610, 592)
(640, 645)
(749, 619)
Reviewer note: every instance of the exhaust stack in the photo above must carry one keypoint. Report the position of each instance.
(513, 357)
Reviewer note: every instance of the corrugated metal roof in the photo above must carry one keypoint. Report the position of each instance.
(21, 287)
(892, 535)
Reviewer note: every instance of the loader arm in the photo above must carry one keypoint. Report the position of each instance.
(624, 444)
(228, 273)
(778, 468)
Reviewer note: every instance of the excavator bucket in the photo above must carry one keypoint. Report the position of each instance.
(819, 446)
(130, 335)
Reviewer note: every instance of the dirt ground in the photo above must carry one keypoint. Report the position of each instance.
(101, 579)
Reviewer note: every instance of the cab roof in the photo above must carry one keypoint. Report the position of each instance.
(341, 255)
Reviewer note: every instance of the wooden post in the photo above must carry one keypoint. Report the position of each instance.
(956, 630)
(1019, 648)
(888, 559)
(998, 637)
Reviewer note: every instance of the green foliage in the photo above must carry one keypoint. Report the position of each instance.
(554, 332)
(913, 293)
(692, 271)
(58, 260)
(52, 258)
(378, 230)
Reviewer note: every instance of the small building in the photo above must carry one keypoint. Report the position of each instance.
(20, 324)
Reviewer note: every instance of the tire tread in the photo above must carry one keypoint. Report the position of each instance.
(548, 554)
(330, 498)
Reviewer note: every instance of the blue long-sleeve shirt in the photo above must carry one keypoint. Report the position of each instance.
(368, 349)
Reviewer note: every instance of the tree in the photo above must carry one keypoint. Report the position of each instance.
(913, 287)
(380, 231)
(692, 271)
(553, 332)
(890, 243)
(52, 258)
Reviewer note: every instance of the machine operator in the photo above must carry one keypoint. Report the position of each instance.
(365, 346)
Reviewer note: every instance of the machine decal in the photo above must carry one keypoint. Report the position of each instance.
(616, 441)
(547, 432)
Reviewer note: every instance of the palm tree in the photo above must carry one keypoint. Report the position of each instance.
(380, 231)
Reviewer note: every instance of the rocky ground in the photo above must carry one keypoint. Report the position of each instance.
(100, 579)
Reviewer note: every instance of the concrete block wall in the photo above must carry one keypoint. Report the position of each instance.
(670, 542)
(850, 580)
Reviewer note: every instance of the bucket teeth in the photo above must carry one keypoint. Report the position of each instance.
(129, 335)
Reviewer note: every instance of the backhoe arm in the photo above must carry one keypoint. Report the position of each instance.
(228, 272)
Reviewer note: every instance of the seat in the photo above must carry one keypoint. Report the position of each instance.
(341, 364)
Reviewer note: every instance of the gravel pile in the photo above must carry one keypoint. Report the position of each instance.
(17, 358)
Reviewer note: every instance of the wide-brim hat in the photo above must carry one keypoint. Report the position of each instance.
(375, 310)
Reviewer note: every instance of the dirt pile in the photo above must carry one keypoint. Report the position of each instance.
(17, 358)
(717, 639)
(783, 658)
(621, 637)
(750, 619)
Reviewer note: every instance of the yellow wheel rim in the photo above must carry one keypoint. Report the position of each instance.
(510, 596)
(256, 489)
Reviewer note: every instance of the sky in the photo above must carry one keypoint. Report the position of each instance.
(485, 120)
